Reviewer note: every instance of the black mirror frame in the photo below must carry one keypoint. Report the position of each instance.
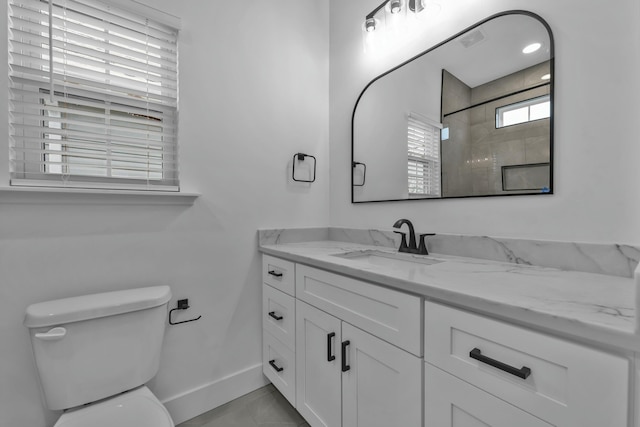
(551, 120)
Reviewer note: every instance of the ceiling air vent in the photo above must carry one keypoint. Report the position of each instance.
(472, 38)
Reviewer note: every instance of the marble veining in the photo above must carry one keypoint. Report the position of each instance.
(594, 307)
(292, 235)
(609, 259)
(382, 238)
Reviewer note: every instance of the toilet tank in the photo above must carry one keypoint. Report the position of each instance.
(91, 347)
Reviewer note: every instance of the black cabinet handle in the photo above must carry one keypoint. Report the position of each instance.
(274, 273)
(275, 316)
(274, 366)
(345, 367)
(523, 372)
(330, 356)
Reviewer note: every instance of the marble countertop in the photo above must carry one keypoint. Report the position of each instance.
(594, 308)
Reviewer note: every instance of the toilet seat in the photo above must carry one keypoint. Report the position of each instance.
(138, 408)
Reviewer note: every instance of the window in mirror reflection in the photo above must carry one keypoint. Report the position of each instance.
(523, 112)
(423, 149)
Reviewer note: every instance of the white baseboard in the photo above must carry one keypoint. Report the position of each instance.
(201, 399)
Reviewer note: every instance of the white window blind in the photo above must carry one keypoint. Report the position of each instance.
(423, 167)
(93, 97)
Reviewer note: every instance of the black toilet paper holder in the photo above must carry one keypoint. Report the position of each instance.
(183, 304)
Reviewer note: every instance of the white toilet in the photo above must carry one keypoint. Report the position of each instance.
(95, 353)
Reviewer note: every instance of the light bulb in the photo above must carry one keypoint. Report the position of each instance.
(370, 25)
(395, 6)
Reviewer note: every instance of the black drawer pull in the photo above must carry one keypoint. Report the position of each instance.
(275, 273)
(345, 367)
(275, 316)
(523, 372)
(330, 356)
(274, 366)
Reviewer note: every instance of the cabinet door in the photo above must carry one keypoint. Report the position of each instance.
(451, 402)
(383, 385)
(318, 394)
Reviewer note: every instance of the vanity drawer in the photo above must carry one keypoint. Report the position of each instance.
(279, 366)
(451, 402)
(391, 315)
(279, 273)
(279, 315)
(566, 384)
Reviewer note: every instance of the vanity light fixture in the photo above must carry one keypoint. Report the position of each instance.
(532, 48)
(370, 20)
(394, 7)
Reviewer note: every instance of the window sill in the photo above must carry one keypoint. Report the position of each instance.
(46, 195)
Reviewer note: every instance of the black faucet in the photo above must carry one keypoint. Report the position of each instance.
(411, 248)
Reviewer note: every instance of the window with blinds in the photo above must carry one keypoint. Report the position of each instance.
(423, 166)
(93, 97)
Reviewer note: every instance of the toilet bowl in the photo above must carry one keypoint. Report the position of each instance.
(94, 353)
(136, 408)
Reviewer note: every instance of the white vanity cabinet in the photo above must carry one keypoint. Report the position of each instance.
(519, 374)
(349, 353)
(348, 377)
(357, 347)
(353, 364)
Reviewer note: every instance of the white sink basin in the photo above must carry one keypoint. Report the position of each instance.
(389, 259)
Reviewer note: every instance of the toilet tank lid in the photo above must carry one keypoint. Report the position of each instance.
(75, 309)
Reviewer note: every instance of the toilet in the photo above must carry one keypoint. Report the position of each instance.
(94, 353)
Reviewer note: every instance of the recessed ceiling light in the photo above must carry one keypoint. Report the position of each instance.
(531, 48)
(546, 77)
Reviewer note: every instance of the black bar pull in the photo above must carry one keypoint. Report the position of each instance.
(274, 273)
(330, 356)
(274, 366)
(345, 367)
(523, 372)
(275, 316)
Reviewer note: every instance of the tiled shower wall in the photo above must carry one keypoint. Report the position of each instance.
(473, 156)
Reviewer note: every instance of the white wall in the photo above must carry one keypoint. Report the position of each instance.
(254, 91)
(596, 130)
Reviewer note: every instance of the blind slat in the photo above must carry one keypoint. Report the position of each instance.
(138, 122)
(85, 136)
(40, 77)
(133, 154)
(29, 92)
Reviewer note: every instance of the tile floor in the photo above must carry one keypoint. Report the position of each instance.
(261, 408)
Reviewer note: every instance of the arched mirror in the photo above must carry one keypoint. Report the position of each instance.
(470, 117)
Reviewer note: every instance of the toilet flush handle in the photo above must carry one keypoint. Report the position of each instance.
(52, 335)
